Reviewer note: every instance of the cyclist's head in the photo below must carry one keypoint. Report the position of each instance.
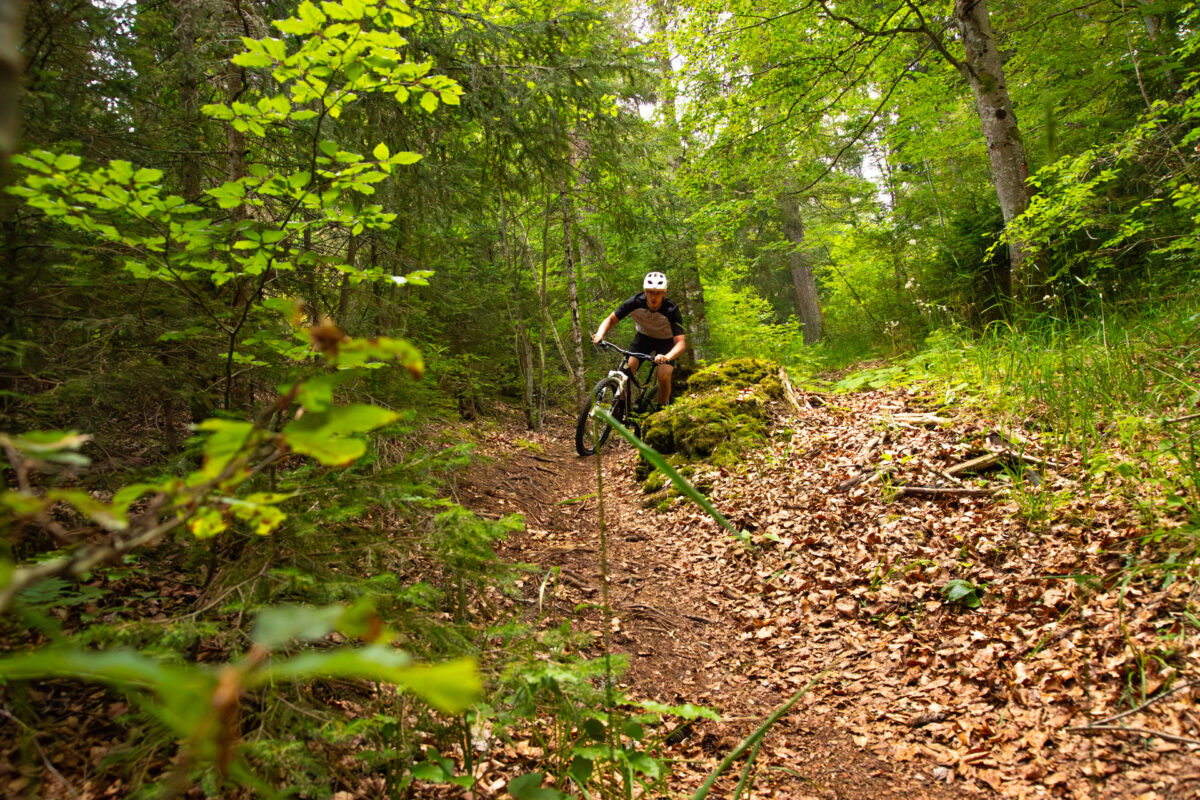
(655, 280)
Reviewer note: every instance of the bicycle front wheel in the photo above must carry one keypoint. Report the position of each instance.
(591, 433)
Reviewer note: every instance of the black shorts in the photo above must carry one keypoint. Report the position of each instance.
(651, 346)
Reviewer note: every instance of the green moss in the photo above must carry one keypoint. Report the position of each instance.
(654, 482)
(725, 414)
(738, 373)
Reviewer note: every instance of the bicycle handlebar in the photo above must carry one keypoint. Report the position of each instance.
(611, 346)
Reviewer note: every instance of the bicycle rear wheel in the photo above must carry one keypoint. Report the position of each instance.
(591, 433)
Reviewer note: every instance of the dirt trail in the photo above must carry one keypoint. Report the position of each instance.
(675, 598)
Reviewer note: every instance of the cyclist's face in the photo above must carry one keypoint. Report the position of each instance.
(654, 298)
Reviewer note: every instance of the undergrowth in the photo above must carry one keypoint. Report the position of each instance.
(1120, 391)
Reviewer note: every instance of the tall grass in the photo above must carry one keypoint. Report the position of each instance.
(1119, 390)
(1082, 384)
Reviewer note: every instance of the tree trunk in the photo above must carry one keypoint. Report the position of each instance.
(12, 66)
(568, 213)
(984, 71)
(525, 359)
(808, 309)
(191, 74)
(1162, 49)
(344, 297)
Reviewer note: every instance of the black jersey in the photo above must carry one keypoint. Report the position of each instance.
(665, 323)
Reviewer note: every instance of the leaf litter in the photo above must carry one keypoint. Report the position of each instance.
(1022, 696)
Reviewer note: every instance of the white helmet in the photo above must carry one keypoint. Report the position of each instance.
(655, 280)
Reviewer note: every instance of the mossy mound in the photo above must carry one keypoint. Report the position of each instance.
(725, 414)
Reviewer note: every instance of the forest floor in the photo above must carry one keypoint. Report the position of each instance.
(923, 697)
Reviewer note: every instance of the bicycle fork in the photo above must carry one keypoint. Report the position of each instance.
(623, 383)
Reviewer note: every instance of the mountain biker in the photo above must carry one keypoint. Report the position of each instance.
(659, 329)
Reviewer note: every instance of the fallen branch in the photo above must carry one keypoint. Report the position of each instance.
(1184, 418)
(926, 418)
(1168, 737)
(569, 577)
(977, 464)
(868, 450)
(789, 391)
(940, 491)
(864, 478)
(1001, 452)
(1144, 705)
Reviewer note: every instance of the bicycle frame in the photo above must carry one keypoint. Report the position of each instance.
(622, 375)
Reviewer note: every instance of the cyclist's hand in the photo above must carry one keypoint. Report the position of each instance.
(597, 338)
(660, 359)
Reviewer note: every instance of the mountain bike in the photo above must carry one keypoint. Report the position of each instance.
(612, 394)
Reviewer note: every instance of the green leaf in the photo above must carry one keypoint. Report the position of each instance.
(41, 444)
(429, 771)
(529, 787)
(685, 711)
(580, 769)
(450, 687)
(360, 351)
(380, 152)
(147, 175)
(316, 394)
(253, 60)
(275, 626)
(645, 763)
(960, 591)
(67, 162)
(90, 507)
(227, 440)
(189, 689)
(330, 452)
(594, 729)
(354, 418)
(429, 102)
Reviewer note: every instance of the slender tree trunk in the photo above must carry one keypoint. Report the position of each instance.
(12, 66)
(984, 71)
(344, 298)
(568, 213)
(808, 309)
(525, 358)
(190, 76)
(1161, 48)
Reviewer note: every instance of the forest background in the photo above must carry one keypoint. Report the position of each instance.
(221, 212)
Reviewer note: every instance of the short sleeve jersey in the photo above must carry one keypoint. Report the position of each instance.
(665, 323)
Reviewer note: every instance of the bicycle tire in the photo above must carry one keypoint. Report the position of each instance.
(605, 393)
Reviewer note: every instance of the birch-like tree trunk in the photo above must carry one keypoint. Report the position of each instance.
(983, 69)
(568, 214)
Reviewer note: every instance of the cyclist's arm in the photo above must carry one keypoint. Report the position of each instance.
(608, 322)
(680, 345)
